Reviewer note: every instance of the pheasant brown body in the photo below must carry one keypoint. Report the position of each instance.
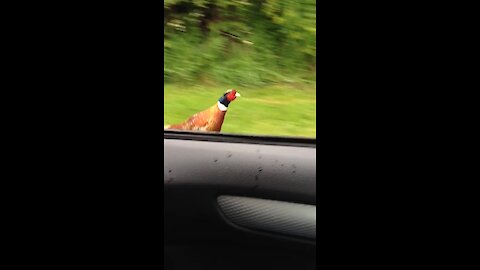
(211, 119)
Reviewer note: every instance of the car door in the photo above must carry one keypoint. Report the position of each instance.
(239, 202)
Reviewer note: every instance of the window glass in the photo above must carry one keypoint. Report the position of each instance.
(242, 67)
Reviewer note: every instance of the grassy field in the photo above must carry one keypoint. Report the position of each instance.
(274, 110)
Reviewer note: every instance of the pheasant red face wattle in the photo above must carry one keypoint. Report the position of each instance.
(232, 95)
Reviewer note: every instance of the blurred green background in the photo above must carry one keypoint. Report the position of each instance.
(264, 49)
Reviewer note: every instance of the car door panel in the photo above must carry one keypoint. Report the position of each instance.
(277, 172)
(267, 184)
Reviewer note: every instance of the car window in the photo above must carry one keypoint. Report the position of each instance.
(240, 67)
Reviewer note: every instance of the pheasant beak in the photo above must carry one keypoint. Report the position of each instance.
(237, 94)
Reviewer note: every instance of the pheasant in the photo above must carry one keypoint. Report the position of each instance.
(210, 119)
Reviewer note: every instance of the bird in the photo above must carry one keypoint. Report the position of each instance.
(211, 119)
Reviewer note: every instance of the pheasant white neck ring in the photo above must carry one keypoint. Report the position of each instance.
(221, 107)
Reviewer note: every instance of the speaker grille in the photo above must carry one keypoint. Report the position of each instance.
(273, 216)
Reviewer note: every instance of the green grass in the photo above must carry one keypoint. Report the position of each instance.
(279, 110)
